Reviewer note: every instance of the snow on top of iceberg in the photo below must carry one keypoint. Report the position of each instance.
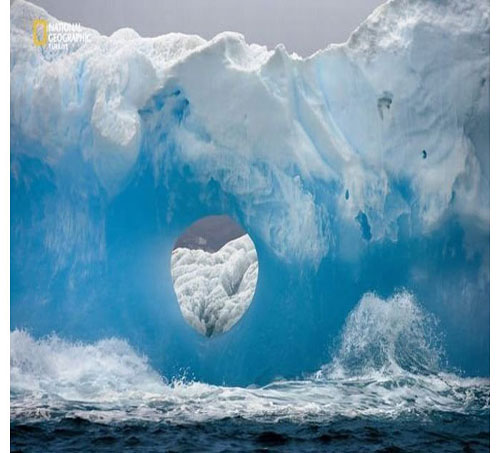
(214, 290)
(390, 25)
(341, 131)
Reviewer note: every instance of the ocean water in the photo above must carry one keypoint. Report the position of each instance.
(437, 432)
(384, 390)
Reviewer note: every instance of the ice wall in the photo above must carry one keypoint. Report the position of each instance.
(364, 167)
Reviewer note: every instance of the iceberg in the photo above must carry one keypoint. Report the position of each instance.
(214, 290)
(363, 168)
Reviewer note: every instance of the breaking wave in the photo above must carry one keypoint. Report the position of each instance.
(388, 362)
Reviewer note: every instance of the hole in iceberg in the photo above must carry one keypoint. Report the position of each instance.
(214, 270)
(364, 225)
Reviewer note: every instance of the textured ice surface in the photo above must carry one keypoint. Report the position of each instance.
(353, 117)
(214, 290)
(119, 144)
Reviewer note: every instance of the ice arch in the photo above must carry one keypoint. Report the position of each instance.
(119, 145)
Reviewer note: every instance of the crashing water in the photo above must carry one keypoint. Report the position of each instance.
(384, 373)
(384, 366)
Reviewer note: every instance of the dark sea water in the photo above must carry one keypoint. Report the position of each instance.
(433, 433)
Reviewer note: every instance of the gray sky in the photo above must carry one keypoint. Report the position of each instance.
(304, 26)
(210, 233)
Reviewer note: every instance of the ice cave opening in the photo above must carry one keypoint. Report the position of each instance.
(214, 269)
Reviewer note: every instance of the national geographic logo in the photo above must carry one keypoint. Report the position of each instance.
(59, 35)
(40, 24)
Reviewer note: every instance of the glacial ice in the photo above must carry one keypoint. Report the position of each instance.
(228, 106)
(119, 144)
(214, 290)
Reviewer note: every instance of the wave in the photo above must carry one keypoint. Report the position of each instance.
(390, 336)
(373, 372)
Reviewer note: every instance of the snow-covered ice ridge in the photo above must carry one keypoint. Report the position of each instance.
(392, 123)
(214, 290)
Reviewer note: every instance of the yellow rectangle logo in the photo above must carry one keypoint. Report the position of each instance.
(37, 24)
